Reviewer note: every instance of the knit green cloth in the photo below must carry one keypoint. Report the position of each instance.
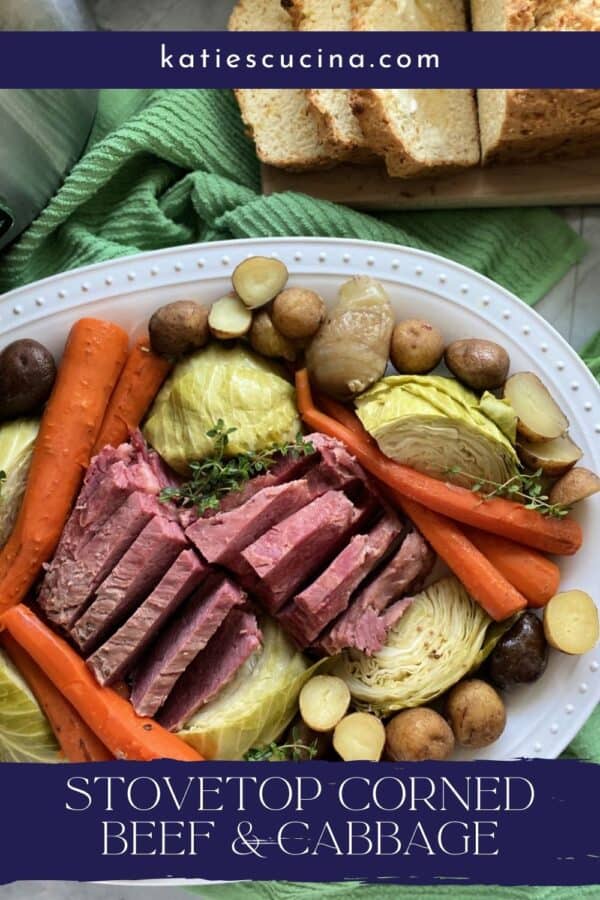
(173, 167)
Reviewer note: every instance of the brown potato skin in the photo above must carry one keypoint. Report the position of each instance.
(417, 347)
(521, 655)
(179, 328)
(476, 713)
(578, 484)
(27, 374)
(298, 313)
(417, 734)
(267, 340)
(481, 365)
(552, 467)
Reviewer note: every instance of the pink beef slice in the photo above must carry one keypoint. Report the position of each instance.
(181, 642)
(294, 549)
(76, 579)
(235, 641)
(112, 476)
(323, 600)
(133, 578)
(117, 656)
(221, 537)
(365, 624)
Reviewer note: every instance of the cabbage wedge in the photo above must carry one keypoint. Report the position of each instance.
(437, 426)
(257, 706)
(248, 393)
(435, 643)
(17, 440)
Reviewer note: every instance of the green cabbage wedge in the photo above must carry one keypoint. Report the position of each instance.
(17, 440)
(434, 645)
(437, 426)
(246, 392)
(257, 706)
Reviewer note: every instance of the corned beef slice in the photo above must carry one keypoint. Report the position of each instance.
(75, 580)
(225, 534)
(290, 552)
(235, 641)
(323, 600)
(181, 641)
(115, 658)
(363, 626)
(135, 575)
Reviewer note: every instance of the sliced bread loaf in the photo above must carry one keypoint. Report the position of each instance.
(518, 125)
(418, 131)
(338, 124)
(282, 123)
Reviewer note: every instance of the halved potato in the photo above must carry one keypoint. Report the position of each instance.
(258, 279)
(552, 457)
(539, 417)
(576, 485)
(571, 623)
(324, 701)
(359, 736)
(229, 318)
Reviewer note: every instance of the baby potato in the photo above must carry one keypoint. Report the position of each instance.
(521, 655)
(417, 347)
(359, 736)
(578, 484)
(258, 279)
(324, 701)
(350, 351)
(539, 416)
(416, 734)
(476, 713)
(179, 328)
(229, 318)
(571, 623)
(27, 374)
(481, 365)
(267, 340)
(554, 457)
(298, 313)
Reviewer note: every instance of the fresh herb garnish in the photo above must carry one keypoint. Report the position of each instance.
(526, 489)
(296, 751)
(218, 475)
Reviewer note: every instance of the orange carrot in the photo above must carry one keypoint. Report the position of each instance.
(110, 716)
(482, 580)
(93, 358)
(344, 416)
(497, 515)
(77, 741)
(535, 576)
(137, 387)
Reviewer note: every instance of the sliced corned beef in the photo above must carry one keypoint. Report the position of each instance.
(323, 600)
(225, 534)
(115, 658)
(133, 578)
(235, 641)
(181, 642)
(75, 580)
(364, 625)
(111, 477)
(290, 552)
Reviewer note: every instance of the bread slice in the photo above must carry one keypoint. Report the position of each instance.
(338, 124)
(282, 123)
(518, 125)
(418, 131)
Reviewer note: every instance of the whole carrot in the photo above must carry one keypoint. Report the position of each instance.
(93, 358)
(497, 515)
(77, 741)
(533, 574)
(110, 716)
(140, 380)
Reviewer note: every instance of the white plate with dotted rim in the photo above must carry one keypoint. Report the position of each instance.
(543, 717)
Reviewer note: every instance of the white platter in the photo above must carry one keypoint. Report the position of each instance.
(543, 717)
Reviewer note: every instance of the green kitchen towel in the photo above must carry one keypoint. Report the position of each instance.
(164, 168)
(173, 167)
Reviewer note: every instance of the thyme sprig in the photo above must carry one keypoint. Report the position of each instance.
(218, 475)
(295, 751)
(525, 488)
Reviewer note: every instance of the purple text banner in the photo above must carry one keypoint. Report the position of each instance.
(523, 822)
(299, 60)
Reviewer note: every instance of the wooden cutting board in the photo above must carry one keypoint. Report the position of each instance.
(556, 183)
